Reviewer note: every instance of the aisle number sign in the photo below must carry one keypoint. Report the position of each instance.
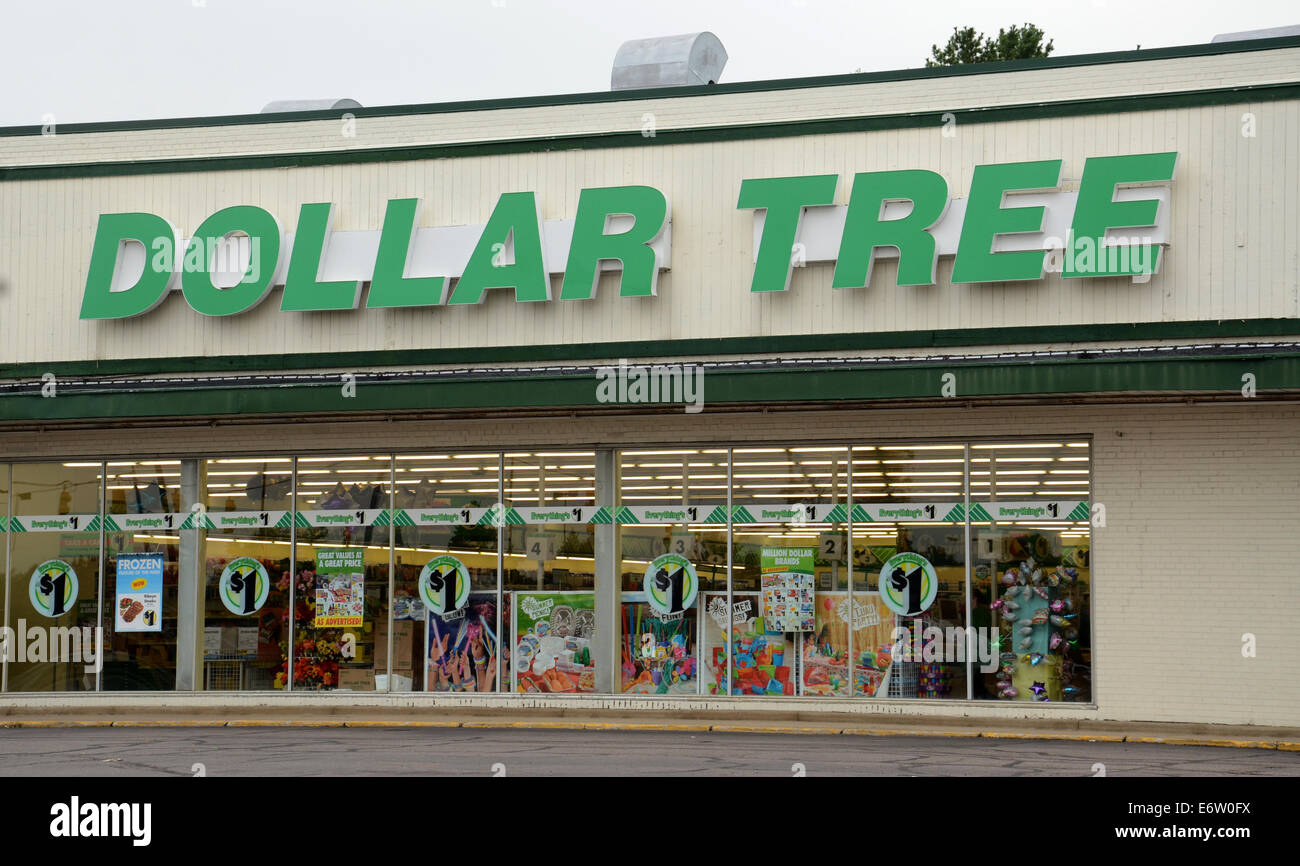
(1016, 220)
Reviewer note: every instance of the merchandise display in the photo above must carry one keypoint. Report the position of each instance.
(764, 663)
(553, 641)
(825, 651)
(1039, 631)
(658, 653)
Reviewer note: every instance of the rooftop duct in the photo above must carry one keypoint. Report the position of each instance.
(668, 61)
(1268, 33)
(280, 105)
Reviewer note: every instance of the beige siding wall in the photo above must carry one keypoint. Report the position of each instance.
(1199, 546)
(1233, 253)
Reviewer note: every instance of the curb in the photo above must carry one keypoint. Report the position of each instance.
(672, 727)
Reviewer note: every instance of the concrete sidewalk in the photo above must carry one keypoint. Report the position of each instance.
(821, 723)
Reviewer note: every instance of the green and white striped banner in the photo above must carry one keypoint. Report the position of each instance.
(55, 523)
(910, 512)
(796, 513)
(652, 514)
(1037, 509)
(582, 514)
(790, 512)
(160, 522)
(443, 517)
(327, 518)
(237, 520)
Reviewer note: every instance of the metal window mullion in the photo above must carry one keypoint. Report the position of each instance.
(392, 568)
(99, 600)
(849, 554)
(730, 619)
(973, 641)
(293, 567)
(501, 561)
(1092, 577)
(9, 513)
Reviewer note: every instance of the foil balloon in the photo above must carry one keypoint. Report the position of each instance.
(1010, 577)
(1026, 643)
(1037, 577)
(997, 605)
(1036, 658)
(1040, 592)
(1040, 616)
(1038, 687)
(1011, 693)
(1055, 641)
(1057, 606)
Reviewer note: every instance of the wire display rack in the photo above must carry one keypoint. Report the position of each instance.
(223, 672)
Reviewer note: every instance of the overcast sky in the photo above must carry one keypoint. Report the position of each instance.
(126, 59)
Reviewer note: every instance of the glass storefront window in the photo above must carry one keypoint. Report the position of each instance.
(144, 511)
(496, 564)
(550, 569)
(911, 503)
(54, 575)
(446, 526)
(341, 573)
(672, 538)
(248, 512)
(1031, 581)
(790, 513)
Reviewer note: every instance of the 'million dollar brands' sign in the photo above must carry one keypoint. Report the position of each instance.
(1014, 221)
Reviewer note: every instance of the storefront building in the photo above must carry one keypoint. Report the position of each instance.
(968, 390)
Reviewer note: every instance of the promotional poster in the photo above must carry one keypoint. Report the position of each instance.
(826, 650)
(788, 581)
(463, 647)
(553, 641)
(139, 592)
(340, 588)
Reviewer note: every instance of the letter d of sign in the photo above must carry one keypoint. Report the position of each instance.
(127, 235)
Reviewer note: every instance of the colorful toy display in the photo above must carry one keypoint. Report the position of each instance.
(1040, 628)
(934, 681)
(658, 655)
(763, 663)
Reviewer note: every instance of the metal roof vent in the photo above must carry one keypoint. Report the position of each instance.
(308, 105)
(668, 61)
(1268, 33)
